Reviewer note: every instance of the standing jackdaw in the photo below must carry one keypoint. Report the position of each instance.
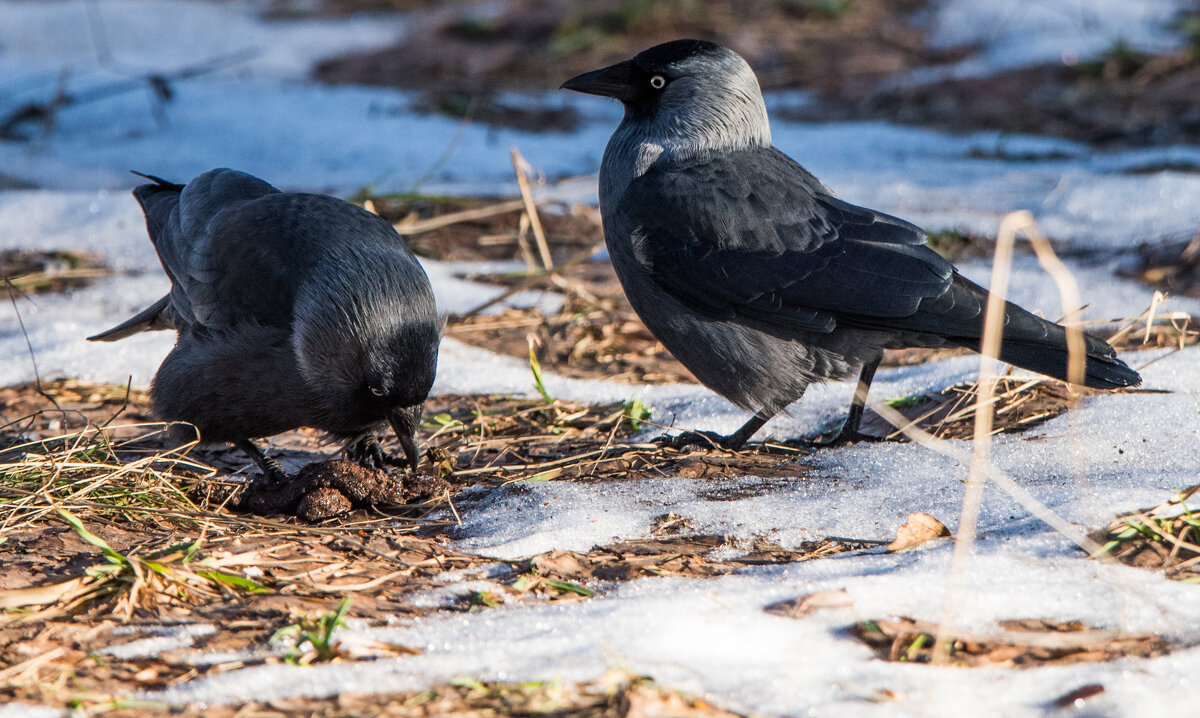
(292, 310)
(748, 269)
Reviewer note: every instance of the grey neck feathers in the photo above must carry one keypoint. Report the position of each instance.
(695, 119)
(344, 320)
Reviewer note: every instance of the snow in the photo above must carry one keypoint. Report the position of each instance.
(262, 118)
(1017, 33)
(1112, 453)
(164, 638)
(124, 38)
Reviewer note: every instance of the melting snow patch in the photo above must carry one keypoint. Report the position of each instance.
(166, 638)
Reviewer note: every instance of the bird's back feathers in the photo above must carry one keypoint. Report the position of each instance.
(752, 237)
(236, 249)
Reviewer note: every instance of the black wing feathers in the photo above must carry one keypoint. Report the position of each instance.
(753, 234)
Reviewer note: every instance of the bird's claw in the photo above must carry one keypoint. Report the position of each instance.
(368, 453)
(845, 436)
(702, 439)
(274, 472)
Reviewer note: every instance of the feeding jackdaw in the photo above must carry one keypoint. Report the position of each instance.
(292, 310)
(748, 269)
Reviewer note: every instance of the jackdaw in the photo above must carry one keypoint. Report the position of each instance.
(292, 310)
(748, 268)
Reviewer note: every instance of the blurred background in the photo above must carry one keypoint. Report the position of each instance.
(948, 113)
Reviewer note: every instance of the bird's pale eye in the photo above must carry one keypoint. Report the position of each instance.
(658, 82)
(377, 391)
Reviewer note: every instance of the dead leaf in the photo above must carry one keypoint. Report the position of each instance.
(1079, 696)
(919, 528)
(559, 564)
(39, 595)
(803, 605)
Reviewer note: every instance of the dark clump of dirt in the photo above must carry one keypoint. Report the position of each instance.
(24, 270)
(1022, 643)
(325, 489)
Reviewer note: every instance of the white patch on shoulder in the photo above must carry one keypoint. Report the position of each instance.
(647, 153)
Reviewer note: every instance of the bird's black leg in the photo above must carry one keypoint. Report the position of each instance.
(271, 468)
(849, 432)
(733, 442)
(367, 451)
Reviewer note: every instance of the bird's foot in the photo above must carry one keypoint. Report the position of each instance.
(273, 471)
(702, 439)
(848, 436)
(366, 451)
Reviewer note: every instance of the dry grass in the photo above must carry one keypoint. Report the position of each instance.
(39, 271)
(1024, 643)
(1018, 405)
(1165, 537)
(125, 585)
(687, 555)
(92, 471)
(467, 229)
(616, 694)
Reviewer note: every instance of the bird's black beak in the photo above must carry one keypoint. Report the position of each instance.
(612, 81)
(404, 423)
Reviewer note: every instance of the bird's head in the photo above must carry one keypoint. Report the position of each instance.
(689, 96)
(366, 345)
(396, 374)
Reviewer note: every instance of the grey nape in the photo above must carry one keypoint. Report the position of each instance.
(749, 269)
(291, 310)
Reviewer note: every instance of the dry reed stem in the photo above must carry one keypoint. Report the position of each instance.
(993, 327)
(529, 282)
(980, 465)
(531, 265)
(466, 215)
(535, 222)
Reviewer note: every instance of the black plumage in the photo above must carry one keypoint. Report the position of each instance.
(751, 272)
(291, 310)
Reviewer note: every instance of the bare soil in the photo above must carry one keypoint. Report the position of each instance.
(39, 272)
(1023, 643)
(459, 56)
(1172, 267)
(1124, 99)
(615, 695)
(1163, 538)
(473, 229)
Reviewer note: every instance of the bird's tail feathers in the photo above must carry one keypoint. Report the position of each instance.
(157, 201)
(1102, 370)
(155, 317)
(159, 181)
(1033, 343)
